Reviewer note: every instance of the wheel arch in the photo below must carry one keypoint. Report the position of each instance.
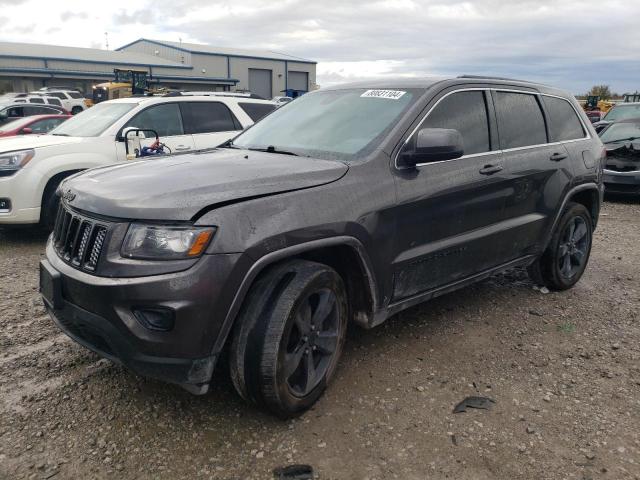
(344, 254)
(587, 194)
(53, 182)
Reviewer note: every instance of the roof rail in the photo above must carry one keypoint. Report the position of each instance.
(213, 94)
(487, 77)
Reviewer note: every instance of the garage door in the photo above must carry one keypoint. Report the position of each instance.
(260, 82)
(298, 81)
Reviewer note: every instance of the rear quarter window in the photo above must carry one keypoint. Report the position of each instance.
(256, 111)
(520, 120)
(209, 117)
(564, 123)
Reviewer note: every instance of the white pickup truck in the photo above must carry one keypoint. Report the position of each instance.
(32, 167)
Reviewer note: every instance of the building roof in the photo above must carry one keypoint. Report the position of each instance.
(233, 52)
(90, 55)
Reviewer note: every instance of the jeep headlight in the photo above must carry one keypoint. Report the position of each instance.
(159, 242)
(14, 161)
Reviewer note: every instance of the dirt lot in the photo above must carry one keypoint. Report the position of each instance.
(563, 368)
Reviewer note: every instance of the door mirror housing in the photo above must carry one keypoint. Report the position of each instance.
(431, 145)
(26, 131)
(123, 135)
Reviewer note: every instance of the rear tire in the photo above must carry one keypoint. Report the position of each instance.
(289, 337)
(564, 261)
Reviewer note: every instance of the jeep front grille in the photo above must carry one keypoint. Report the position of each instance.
(78, 240)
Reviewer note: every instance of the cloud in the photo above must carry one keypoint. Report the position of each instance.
(66, 16)
(569, 44)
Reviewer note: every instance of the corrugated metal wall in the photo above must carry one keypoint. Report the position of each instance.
(161, 51)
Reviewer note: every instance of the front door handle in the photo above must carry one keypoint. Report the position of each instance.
(490, 169)
(556, 157)
(182, 147)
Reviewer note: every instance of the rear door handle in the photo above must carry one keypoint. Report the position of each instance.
(182, 147)
(556, 157)
(490, 169)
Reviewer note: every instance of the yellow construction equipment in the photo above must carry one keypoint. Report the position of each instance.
(125, 84)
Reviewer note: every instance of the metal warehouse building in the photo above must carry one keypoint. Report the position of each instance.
(25, 67)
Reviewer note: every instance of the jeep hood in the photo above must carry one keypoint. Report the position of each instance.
(179, 187)
(23, 142)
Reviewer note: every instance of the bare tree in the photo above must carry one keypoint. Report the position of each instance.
(602, 91)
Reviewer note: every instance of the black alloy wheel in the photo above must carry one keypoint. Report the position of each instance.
(565, 259)
(311, 342)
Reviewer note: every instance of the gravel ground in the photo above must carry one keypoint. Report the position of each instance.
(563, 369)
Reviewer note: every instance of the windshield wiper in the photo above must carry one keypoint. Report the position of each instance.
(60, 134)
(229, 144)
(630, 139)
(272, 149)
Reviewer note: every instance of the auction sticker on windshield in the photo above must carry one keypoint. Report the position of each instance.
(390, 94)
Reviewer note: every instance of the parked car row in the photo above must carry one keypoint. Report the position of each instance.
(350, 204)
(71, 100)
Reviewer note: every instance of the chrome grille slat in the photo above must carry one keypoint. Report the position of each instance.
(72, 236)
(84, 232)
(96, 248)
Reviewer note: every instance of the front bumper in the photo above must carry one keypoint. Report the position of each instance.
(25, 207)
(97, 312)
(621, 182)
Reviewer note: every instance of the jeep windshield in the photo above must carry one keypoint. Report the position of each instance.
(93, 121)
(333, 124)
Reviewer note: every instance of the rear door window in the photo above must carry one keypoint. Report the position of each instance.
(75, 95)
(467, 113)
(40, 110)
(54, 101)
(520, 120)
(564, 123)
(36, 100)
(15, 112)
(209, 117)
(59, 95)
(256, 111)
(165, 119)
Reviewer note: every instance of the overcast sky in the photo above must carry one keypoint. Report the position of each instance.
(572, 44)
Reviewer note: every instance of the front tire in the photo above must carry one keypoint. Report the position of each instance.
(564, 261)
(289, 337)
(76, 110)
(49, 207)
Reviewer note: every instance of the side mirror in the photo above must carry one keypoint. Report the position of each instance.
(26, 131)
(431, 145)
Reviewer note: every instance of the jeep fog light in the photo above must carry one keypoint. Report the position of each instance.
(159, 242)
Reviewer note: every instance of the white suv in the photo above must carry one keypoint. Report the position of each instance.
(40, 100)
(72, 100)
(32, 167)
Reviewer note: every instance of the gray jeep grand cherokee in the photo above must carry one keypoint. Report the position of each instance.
(348, 205)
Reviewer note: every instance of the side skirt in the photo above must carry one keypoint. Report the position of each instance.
(383, 314)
